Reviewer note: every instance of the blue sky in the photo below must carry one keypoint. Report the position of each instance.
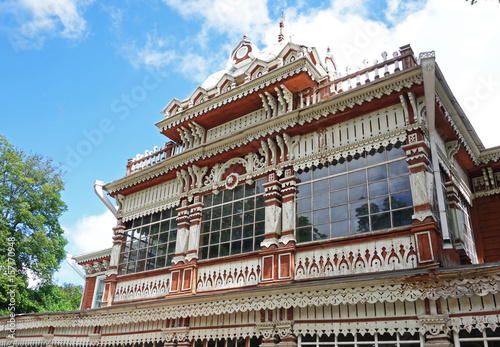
(83, 82)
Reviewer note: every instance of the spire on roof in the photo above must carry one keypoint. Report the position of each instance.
(281, 37)
(245, 37)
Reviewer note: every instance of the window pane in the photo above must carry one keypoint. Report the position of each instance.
(359, 225)
(321, 201)
(225, 235)
(357, 178)
(377, 173)
(304, 190)
(236, 234)
(399, 184)
(247, 245)
(237, 220)
(224, 249)
(238, 206)
(236, 247)
(401, 200)
(379, 205)
(238, 192)
(357, 193)
(321, 232)
(321, 216)
(356, 163)
(304, 176)
(395, 153)
(378, 188)
(339, 197)
(319, 173)
(339, 212)
(260, 214)
(398, 168)
(402, 217)
(340, 228)
(338, 182)
(304, 204)
(320, 187)
(249, 204)
(260, 228)
(381, 221)
(304, 234)
(304, 219)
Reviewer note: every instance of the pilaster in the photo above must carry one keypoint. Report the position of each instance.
(273, 211)
(288, 194)
(195, 217)
(183, 223)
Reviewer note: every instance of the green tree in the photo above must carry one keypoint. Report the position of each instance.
(30, 207)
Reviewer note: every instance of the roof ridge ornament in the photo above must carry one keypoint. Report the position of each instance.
(281, 37)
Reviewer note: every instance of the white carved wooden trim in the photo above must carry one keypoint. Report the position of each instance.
(367, 257)
(228, 275)
(151, 200)
(142, 288)
(373, 130)
(236, 125)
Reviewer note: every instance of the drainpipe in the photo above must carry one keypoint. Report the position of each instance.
(99, 190)
(71, 262)
(427, 61)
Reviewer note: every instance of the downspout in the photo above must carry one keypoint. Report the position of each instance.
(69, 259)
(427, 61)
(99, 190)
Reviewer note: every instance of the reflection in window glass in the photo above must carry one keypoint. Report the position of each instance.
(373, 194)
(149, 242)
(367, 340)
(233, 221)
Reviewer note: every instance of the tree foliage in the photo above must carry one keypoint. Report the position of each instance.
(30, 207)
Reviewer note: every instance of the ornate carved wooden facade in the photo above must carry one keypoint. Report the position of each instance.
(295, 206)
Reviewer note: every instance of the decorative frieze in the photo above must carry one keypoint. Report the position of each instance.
(142, 288)
(228, 275)
(366, 257)
(150, 200)
(487, 184)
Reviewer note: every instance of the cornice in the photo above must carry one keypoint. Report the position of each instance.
(337, 103)
(457, 124)
(410, 285)
(82, 258)
(300, 65)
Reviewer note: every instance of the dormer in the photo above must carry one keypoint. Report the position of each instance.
(225, 83)
(244, 52)
(257, 69)
(200, 95)
(290, 53)
(172, 108)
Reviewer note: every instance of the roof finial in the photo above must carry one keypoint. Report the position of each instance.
(281, 37)
(245, 37)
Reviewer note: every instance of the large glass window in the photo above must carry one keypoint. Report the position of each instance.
(350, 340)
(99, 291)
(233, 221)
(477, 338)
(149, 243)
(368, 193)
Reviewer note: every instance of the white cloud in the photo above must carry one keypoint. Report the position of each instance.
(225, 16)
(156, 52)
(90, 233)
(115, 17)
(40, 19)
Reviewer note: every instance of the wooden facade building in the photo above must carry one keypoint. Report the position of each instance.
(294, 206)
